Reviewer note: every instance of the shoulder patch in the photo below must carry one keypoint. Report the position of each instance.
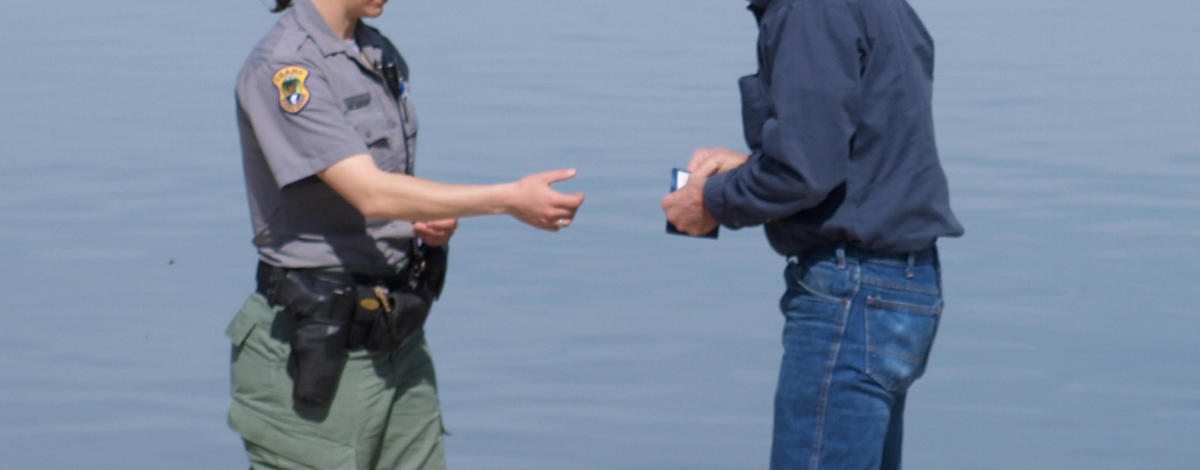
(293, 95)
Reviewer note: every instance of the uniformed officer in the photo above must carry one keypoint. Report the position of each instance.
(844, 175)
(328, 136)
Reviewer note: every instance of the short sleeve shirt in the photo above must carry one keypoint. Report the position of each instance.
(306, 100)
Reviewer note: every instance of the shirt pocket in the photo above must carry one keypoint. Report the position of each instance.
(365, 113)
(755, 108)
(371, 125)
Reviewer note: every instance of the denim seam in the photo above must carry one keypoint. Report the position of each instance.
(827, 382)
(906, 307)
(901, 287)
(817, 293)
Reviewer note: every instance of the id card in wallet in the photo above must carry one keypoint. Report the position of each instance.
(679, 178)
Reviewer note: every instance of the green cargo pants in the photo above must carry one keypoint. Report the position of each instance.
(385, 414)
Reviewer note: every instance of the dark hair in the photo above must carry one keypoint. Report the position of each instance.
(281, 5)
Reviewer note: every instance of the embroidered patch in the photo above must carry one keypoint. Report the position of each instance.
(293, 96)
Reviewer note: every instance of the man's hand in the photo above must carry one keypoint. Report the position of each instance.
(708, 162)
(435, 232)
(685, 207)
(533, 201)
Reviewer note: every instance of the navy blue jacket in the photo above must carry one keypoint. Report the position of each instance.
(840, 127)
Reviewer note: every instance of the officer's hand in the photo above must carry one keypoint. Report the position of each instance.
(435, 232)
(685, 207)
(708, 162)
(535, 203)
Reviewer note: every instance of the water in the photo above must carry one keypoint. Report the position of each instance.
(1068, 131)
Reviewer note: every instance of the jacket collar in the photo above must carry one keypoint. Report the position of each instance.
(759, 7)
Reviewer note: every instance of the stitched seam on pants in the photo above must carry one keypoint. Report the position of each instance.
(896, 286)
(823, 401)
(816, 293)
(827, 383)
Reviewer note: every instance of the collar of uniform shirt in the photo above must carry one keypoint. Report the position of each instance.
(370, 46)
(314, 24)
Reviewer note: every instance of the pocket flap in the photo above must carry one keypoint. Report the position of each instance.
(240, 327)
(755, 108)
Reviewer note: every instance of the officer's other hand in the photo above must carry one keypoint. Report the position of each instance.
(535, 203)
(685, 207)
(708, 162)
(435, 232)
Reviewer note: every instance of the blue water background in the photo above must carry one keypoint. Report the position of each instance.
(1070, 132)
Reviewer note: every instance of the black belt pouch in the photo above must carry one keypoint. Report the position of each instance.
(321, 311)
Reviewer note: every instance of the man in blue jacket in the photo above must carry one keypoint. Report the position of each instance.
(844, 174)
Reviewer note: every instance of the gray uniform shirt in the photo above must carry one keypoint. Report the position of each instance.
(306, 99)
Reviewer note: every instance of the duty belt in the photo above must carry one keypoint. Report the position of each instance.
(333, 311)
(268, 277)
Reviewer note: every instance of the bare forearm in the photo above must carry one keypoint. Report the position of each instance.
(379, 194)
(398, 196)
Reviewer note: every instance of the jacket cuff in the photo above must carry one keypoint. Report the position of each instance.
(714, 198)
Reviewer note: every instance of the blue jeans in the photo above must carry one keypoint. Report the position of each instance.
(858, 330)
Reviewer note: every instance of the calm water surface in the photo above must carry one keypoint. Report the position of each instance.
(1068, 130)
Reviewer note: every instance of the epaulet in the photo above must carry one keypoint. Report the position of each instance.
(290, 44)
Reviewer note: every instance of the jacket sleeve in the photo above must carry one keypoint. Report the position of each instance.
(812, 63)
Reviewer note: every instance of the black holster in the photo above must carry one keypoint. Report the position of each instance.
(333, 312)
(320, 310)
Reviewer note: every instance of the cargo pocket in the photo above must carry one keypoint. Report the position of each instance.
(258, 360)
(244, 323)
(899, 336)
(238, 330)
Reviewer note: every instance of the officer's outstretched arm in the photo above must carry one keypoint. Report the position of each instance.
(380, 194)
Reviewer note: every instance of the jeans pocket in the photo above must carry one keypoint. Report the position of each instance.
(821, 281)
(899, 336)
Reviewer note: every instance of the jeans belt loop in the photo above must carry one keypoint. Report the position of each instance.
(910, 271)
(841, 256)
